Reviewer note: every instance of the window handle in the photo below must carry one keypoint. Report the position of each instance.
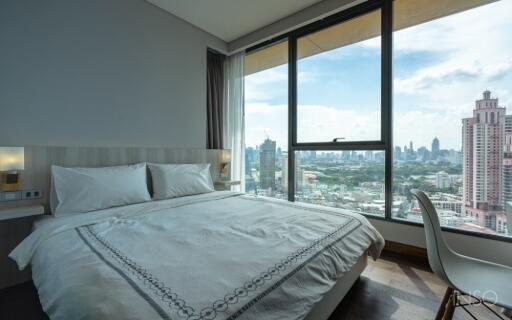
(336, 139)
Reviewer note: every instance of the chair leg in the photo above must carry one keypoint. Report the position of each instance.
(449, 307)
(442, 306)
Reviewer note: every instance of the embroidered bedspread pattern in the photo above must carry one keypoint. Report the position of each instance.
(233, 257)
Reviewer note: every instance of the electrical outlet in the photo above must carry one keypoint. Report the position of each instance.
(36, 194)
(10, 196)
(31, 194)
(26, 195)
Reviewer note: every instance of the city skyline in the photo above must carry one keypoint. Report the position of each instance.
(471, 187)
(439, 149)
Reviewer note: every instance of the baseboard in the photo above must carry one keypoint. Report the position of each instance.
(406, 250)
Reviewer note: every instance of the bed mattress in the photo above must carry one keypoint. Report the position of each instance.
(220, 255)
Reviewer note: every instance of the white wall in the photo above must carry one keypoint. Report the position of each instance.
(481, 248)
(101, 73)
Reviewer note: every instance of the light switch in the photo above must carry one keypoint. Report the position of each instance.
(10, 196)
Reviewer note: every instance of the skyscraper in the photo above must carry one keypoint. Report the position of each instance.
(268, 165)
(507, 162)
(397, 154)
(482, 147)
(435, 149)
(284, 170)
(249, 159)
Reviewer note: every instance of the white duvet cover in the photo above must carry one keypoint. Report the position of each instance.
(217, 256)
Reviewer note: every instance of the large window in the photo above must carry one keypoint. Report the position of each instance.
(452, 87)
(266, 121)
(385, 97)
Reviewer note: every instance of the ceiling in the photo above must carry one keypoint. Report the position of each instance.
(231, 19)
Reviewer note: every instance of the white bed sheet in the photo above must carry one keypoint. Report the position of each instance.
(219, 256)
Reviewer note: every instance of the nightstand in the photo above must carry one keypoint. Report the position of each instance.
(15, 225)
(222, 185)
(20, 212)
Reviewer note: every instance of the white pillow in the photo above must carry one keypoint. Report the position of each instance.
(88, 189)
(177, 180)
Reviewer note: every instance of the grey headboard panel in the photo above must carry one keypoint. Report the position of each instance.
(38, 160)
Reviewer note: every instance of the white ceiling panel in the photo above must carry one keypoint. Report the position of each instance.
(231, 19)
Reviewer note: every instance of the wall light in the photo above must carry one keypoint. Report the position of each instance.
(225, 161)
(12, 160)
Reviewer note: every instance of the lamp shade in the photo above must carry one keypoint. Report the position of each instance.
(226, 156)
(12, 158)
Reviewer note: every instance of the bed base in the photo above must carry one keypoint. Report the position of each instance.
(325, 307)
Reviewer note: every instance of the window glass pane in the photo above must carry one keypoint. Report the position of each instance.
(338, 82)
(452, 119)
(351, 180)
(266, 123)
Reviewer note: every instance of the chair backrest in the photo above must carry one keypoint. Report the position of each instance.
(437, 248)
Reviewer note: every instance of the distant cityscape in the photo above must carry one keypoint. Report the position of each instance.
(471, 188)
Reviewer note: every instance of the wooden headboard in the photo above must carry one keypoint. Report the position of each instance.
(39, 159)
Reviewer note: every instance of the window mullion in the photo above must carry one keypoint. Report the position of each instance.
(292, 114)
(387, 100)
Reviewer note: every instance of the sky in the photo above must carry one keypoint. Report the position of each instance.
(440, 68)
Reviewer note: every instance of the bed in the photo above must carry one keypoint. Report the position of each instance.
(219, 255)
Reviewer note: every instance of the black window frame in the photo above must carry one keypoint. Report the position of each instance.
(386, 142)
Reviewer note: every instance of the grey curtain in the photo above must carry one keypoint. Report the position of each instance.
(214, 99)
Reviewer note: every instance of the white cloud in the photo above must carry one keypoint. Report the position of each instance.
(474, 46)
(317, 123)
(264, 120)
(265, 85)
(428, 79)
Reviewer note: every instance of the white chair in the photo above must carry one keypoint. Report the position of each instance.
(485, 281)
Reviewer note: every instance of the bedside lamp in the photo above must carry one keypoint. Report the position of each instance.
(12, 160)
(225, 161)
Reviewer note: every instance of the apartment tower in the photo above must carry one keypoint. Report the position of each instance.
(483, 138)
(268, 165)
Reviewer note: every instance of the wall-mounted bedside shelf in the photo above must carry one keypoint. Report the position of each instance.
(225, 184)
(7, 213)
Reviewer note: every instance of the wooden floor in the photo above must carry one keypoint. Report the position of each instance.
(395, 287)
(391, 288)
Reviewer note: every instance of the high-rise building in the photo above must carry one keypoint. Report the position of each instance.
(443, 180)
(508, 209)
(424, 154)
(435, 149)
(482, 147)
(249, 160)
(279, 156)
(409, 152)
(507, 161)
(268, 164)
(397, 154)
(284, 170)
(507, 180)
(299, 176)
